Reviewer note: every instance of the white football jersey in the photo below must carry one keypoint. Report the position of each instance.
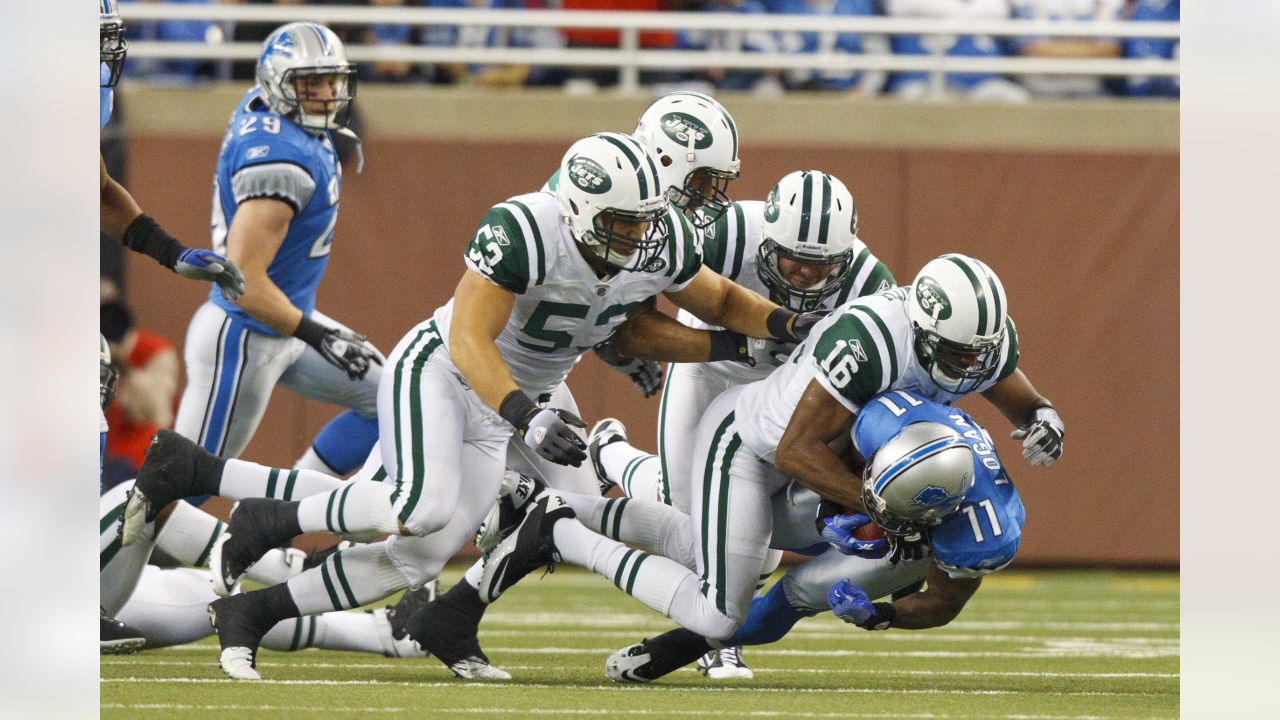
(562, 309)
(730, 247)
(861, 349)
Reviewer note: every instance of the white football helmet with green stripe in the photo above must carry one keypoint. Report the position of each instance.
(611, 195)
(810, 219)
(957, 309)
(695, 142)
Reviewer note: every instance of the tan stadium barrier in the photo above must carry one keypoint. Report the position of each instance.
(1075, 207)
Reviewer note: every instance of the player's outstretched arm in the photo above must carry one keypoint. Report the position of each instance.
(1037, 423)
(805, 453)
(480, 310)
(938, 604)
(718, 301)
(122, 219)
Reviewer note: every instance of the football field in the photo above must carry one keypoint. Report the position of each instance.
(1066, 645)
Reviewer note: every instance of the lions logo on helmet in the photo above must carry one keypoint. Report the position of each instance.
(613, 201)
(695, 141)
(112, 47)
(304, 76)
(917, 478)
(809, 219)
(957, 310)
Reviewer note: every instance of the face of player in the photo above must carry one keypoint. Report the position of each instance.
(803, 275)
(316, 92)
(627, 235)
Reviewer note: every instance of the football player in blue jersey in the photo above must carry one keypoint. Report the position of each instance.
(121, 218)
(931, 470)
(275, 206)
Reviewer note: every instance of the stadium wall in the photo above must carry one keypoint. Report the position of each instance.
(1075, 205)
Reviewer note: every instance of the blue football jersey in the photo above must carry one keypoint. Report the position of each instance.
(983, 535)
(266, 155)
(105, 95)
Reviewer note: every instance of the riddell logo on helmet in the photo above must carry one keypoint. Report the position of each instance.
(933, 299)
(588, 175)
(680, 127)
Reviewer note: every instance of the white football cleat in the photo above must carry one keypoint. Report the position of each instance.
(392, 646)
(477, 668)
(725, 664)
(220, 586)
(622, 666)
(238, 664)
(608, 430)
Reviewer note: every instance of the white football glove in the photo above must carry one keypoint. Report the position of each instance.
(1041, 437)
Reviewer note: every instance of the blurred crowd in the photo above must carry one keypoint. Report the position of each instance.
(910, 85)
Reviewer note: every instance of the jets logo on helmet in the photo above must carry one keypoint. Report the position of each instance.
(588, 175)
(917, 478)
(958, 311)
(686, 130)
(613, 201)
(304, 76)
(107, 374)
(809, 238)
(695, 142)
(933, 299)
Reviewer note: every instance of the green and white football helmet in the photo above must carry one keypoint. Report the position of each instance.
(107, 374)
(611, 196)
(303, 53)
(695, 142)
(809, 218)
(918, 478)
(112, 47)
(957, 309)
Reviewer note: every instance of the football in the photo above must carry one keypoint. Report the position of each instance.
(870, 531)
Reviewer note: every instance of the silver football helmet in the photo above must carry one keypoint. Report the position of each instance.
(917, 478)
(304, 74)
(112, 46)
(809, 219)
(958, 310)
(610, 195)
(107, 375)
(695, 142)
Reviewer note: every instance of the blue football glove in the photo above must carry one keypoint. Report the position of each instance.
(198, 264)
(851, 604)
(838, 530)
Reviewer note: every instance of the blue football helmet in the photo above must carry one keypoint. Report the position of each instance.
(112, 47)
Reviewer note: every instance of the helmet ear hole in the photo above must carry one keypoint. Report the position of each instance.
(665, 159)
(574, 206)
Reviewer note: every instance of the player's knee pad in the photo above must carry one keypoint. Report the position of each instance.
(415, 558)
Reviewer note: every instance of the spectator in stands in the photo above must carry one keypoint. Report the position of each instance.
(604, 38)
(825, 43)
(171, 71)
(1153, 11)
(734, 41)
(147, 393)
(387, 34)
(978, 86)
(1065, 86)
(476, 36)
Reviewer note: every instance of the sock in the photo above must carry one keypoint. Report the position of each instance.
(354, 507)
(241, 479)
(311, 461)
(637, 472)
(344, 443)
(188, 534)
(352, 631)
(348, 578)
(771, 563)
(474, 573)
(770, 618)
(651, 526)
(651, 579)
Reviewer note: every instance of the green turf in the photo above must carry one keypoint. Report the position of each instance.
(1044, 644)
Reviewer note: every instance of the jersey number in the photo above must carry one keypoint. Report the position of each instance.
(840, 370)
(536, 326)
(996, 530)
(249, 124)
(485, 252)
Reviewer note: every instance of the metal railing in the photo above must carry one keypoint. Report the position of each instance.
(629, 58)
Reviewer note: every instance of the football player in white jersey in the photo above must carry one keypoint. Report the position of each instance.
(121, 218)
(801, 249)
(548, 278)
(946, 335)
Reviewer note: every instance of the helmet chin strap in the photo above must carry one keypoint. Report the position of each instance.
(350, 134)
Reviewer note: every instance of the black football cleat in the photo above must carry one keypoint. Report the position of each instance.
(174, 468)
(117, 638)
